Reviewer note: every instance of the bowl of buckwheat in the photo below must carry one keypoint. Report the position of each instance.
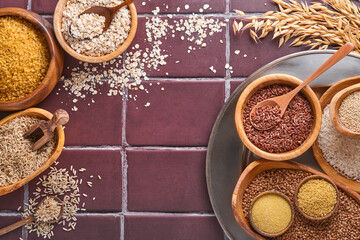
(83, 36)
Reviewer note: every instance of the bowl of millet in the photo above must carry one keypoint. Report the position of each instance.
(30, 60)
(81, 36)
(293, 133)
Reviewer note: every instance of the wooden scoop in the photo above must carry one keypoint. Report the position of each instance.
(31, 218)
(44, 130)
(283, 101)
(107, 12)
(334, 111)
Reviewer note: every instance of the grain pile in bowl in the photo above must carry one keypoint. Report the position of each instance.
(340, 151)
(103, 44)
(291, 130)
(344, 224)
(24, 57)
(17, 159)
(317, 197)
(349, 111)
(271, 213)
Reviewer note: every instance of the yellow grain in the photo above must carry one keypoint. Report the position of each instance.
(24, 57)
(271, 213)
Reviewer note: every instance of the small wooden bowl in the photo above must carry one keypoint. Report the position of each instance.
(334, 111)
(271, 234)
(57, 26)
(297, 202)
(55, 67)
(318, 154)
(267, 81)
(58, 148)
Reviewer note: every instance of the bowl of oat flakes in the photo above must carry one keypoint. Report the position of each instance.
(80, 43)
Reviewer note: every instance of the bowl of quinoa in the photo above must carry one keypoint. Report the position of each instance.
(82, 36)
(30, 61)
(294, 132)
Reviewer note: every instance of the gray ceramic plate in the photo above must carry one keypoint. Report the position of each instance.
(227, 157)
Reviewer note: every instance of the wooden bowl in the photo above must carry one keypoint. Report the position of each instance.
(267, 81)
(318, 154)
(297, 202)
(55, 67)
(57, 26)
(58, 148)
(256, 168)
(334, 111)
(271, 234)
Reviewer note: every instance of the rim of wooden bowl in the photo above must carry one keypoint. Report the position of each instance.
(334, 110)
(287, 200)
(55, 66)
(297, 203)
(271, 80)
(58, 148)
(57, 28)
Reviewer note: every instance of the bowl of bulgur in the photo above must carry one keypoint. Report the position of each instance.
(30, 60)
(102, 47)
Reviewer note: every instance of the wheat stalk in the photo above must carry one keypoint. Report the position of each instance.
(316, 25)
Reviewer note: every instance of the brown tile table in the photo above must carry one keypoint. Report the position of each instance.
(152, 160)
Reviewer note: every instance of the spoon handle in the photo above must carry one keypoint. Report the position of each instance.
(16, 225)
(338, 55)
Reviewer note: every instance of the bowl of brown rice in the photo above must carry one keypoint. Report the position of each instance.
(294, 132)
(31, 62)
(102, 47)
(19, 164)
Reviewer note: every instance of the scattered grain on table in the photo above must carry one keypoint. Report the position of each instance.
(64, 184)
(137, 62)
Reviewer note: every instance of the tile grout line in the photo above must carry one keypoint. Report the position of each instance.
(227, 56)
(28, 7)
(139, 213)
(129, 147)
(122, 225)
(228, 14)
(24, 231)
(123, 162)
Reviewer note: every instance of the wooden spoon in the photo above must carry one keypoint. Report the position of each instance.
(44, 130)
(283, 101)
(31, 218)
(107, 12)
(334, 111)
